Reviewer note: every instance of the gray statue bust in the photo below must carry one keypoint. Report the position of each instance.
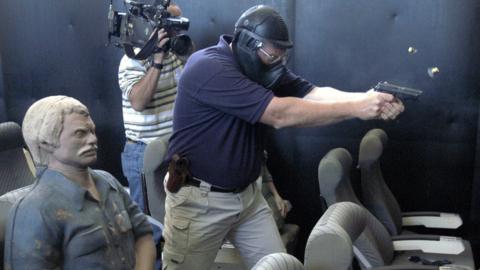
(74, 217)
(43, 124)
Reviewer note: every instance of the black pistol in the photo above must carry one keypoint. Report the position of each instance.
(400, 92)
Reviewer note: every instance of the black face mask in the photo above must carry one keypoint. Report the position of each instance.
(245, 46)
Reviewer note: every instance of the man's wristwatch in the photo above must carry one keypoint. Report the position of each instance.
(158, 66)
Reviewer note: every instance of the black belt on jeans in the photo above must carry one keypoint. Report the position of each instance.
(196, 183)
(132, 141)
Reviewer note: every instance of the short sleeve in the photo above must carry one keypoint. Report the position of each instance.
(293, 85)
(140, 224)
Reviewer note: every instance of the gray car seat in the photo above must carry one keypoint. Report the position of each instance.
(335, 186)
(16, 167)
(17, 172)
(381, 202)
(278, 261)
(343, 230)
(154, 171)
(329, 245)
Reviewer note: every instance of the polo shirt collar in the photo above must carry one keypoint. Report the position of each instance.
(224, 44)
(73, 190)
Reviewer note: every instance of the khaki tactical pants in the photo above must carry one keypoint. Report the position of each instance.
(197, 221)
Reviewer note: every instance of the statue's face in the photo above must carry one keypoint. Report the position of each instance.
(77, 145)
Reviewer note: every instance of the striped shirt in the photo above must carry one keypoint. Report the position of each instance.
(156, 119)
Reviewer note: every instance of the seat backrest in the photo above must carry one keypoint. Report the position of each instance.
(15, 170)
(329, 246)
(376, 195)
(155, 169)
(344, 230)
(278, 261)
(334, 177)
(374, 246)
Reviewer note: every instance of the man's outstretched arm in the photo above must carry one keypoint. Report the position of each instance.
(389, 111)
(332, 106)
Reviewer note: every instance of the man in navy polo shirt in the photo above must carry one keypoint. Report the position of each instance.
(224, 93)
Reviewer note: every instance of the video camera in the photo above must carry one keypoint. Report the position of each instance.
(138, 28)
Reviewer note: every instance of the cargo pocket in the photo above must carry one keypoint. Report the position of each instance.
(170, 258)
(180, 233)
(176, 199)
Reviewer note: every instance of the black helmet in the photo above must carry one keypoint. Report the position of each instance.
(266, 24)
(257, 25)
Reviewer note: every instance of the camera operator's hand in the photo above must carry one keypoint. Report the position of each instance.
(162, 39)
(143, 91)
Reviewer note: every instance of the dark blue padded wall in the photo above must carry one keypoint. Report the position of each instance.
(358, 43)
(209, 19)
(3, 109)
(58, 47)
(352, 45)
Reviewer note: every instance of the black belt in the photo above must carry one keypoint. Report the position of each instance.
(136, 142)
(196, 183)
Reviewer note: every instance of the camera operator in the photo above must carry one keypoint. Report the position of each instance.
(216, 149)
(149, 89)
